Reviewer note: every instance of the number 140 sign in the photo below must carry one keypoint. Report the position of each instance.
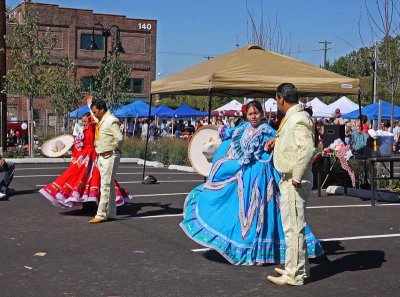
(144, 26)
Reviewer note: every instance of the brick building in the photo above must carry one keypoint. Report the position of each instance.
(73, 30)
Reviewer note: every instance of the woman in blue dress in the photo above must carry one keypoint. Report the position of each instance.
(236, 211)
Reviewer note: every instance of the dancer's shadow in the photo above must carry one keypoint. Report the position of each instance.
(12, 193)
(214, 256)
(127, 210)
(350, 261)
(133, 209)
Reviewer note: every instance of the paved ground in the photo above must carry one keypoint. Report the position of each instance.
(145, 253)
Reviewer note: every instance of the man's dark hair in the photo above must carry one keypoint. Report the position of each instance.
(289, 92)
(99, 104)
(257, 105)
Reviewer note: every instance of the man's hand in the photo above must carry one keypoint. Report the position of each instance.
(269, 146)
(295, 184)
(2, 161)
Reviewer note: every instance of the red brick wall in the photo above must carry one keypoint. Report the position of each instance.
(68, 23)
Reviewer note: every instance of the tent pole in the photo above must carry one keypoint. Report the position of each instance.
(359, 106)
(209, 105)
(125, 126)
(147, 139)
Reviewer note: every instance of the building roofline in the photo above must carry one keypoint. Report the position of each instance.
(88, 10)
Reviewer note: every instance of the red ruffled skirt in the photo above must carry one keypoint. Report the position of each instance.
(80, 183)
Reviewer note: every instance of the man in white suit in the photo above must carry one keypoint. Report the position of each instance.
(293, 153)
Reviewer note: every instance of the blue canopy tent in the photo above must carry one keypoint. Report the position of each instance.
(372, 112)
(135, 109)
(78, 113)
(185, 111)
(162, 111)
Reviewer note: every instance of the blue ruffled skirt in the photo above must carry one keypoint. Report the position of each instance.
(236, 212)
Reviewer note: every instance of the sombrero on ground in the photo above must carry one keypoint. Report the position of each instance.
(202, 147)
(58, 146)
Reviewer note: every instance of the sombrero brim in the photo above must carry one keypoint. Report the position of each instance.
(196, 157)
(48, 146)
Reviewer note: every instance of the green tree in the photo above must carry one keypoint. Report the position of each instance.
(110, 81)
(67, 90)
(29, 51)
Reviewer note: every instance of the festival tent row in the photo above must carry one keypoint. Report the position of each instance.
(372, 111)
(141, 109)
(322, 110)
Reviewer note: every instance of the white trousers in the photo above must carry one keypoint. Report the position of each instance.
(292, 205)
(108, 168)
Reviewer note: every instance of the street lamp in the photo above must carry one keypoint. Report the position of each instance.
(106, 32)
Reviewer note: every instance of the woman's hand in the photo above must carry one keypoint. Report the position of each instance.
(269, 146)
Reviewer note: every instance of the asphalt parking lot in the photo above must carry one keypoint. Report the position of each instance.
(145, 253)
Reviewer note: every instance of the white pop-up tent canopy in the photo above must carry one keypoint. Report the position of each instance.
(319, 108)
(233, 105)
(270, 105)
(344, 104)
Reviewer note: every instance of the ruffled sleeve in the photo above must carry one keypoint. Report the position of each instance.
(225, 132)
(247, 148)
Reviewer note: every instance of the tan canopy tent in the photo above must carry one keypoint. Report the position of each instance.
(254, 72)
(251, 71)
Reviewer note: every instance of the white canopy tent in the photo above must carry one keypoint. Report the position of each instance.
(344, 104)
(319, 108)
(270, 105)
(233, 105)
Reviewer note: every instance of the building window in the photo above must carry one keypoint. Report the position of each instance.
(87, 83)
(135, 85)
(36, 114)
(85, 41)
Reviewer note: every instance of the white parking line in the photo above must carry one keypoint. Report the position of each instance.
(44, 168)
(160, 216)
(351, 205)
(167, 194)
(118, 173)
(177, 215)
(160, 181)
(361, 237)
(327, 239)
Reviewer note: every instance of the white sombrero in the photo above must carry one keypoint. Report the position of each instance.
(202, 148)
(58, 146)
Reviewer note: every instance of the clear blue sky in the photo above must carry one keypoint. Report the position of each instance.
(189, 30)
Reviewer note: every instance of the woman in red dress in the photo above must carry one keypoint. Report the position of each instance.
(81, 181)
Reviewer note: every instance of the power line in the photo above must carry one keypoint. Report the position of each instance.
(185, 54)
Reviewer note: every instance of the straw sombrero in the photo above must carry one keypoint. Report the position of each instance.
(58, 146)
(202, 147)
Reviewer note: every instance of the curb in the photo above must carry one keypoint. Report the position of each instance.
(181, 168)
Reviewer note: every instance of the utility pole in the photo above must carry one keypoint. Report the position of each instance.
(325, 49)
(375, 71)
(3, 96)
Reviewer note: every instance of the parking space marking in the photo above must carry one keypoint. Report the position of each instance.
(177, 215)
(160, 181)
(326, 239)
(164, 194)
(351, 205)
(118, 173)
(160, 216)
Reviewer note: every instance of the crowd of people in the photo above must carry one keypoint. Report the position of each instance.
(361, 125)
